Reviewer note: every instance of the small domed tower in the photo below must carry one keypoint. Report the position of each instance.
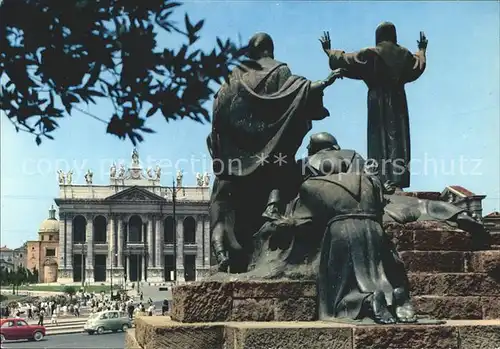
(48, 236)
(49, 229)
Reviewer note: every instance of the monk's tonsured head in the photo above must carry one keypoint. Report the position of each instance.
(320, 141)
(260, 45)
(386, 31)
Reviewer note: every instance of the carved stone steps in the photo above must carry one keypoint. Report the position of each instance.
(457, 307)
(279, 300)
(435, 236)
(161, 333)
(460, 295)
(495, 239)
(452, 261)
(454, 284)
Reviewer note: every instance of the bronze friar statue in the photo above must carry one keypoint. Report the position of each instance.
(385, 69)
(333, 232)
(260, 117)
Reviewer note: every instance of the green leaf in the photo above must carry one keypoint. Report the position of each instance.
(152, 111)
(96, 93)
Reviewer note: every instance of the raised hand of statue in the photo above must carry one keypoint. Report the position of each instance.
(422, 43)
(325, 42)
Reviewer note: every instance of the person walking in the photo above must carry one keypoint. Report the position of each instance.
(53, 319)
(164, 308)
(40, 317)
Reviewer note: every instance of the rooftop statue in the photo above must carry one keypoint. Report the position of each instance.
(89, 176)
(206, 179)
(61, 176)
(69, 177)
(135, 158)
(199, 179)
(178, 178)
(158, 172)
(112, 171)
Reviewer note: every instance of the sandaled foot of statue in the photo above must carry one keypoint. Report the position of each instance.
(222, 261)
(404, 310)
(381, 313)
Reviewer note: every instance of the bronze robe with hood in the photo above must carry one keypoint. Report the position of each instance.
(385, 69)
(261, 114)
(334, 232)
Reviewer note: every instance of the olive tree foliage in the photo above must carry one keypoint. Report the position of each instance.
(56, 55)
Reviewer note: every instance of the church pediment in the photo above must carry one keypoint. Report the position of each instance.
(134, 194)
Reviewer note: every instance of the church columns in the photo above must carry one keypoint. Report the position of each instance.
(150, 255)
(180, 248)
(127, 265)
(111, 242)
(65, 267)
(207, 255)
(62, 243)
(68, 219)
(89, 263)
(199, 243)
(159, 242)
(144, 267)
(114, 274)
(120, 242)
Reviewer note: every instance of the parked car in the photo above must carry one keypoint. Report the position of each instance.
(15, 329)
(109, 320)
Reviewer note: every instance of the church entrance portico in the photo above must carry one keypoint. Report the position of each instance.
(133, 229)
(78, 270)
(135, 268)
(100, 268)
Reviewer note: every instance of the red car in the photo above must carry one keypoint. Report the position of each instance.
(15, 329)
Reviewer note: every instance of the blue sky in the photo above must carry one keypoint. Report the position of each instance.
(454, 106)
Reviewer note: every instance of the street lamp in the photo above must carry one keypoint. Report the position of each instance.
(146, 256)
(173, 190)
(112, 262)
(126, 256)
(82, 268)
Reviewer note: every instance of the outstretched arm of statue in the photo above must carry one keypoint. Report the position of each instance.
(355, 64)
(322, 84)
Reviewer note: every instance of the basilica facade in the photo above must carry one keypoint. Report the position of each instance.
(133, 229)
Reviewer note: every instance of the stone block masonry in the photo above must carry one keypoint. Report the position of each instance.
(162, 333)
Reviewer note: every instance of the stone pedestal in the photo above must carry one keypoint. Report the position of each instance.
(155, 275)
(244, 301)
(454, 275)
(117, 278)
(65, 276)
(202, 273)
(89, 276)
(180, 275)
(159, 332)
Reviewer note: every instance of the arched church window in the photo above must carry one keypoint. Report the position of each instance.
(135, 229)
(100, 227)
(169, 230)
(79, 228)
(189, 226)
